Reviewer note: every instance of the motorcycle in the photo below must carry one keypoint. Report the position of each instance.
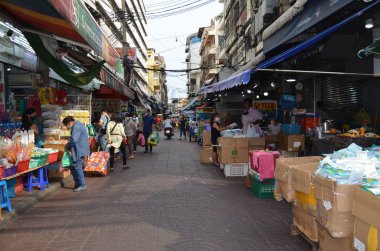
(168, 132)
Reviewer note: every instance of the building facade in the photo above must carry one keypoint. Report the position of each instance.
(193, 61)
(157, 76)
(107, 14)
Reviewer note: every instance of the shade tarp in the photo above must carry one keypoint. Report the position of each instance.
(242, 78)
(75, 79)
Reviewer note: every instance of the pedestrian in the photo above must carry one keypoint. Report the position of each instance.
(182, 127)
(216, 129)
(116, 135)
(137, 132)
(158, 123)
(102, 135)
(148, 121)
(130, 131)
(79, 148)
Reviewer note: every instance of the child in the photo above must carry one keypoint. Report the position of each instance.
(274, 127)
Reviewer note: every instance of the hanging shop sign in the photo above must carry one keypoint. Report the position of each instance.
(313, 13)
(75, 12)
(266, 105)
(116, 83)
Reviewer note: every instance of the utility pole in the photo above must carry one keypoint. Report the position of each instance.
(126, 63)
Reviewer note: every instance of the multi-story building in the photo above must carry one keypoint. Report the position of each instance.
(212, 37)
(109, 15)
(193, 60)
(157, 75)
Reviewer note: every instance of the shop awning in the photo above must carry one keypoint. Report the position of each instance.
(190, 104)
(144, 103)
(240, 79)
(112, 81)
(313, 12)
(68, 19)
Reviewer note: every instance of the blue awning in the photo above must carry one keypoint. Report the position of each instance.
(242, 78)
(312, 41)
(190, 104)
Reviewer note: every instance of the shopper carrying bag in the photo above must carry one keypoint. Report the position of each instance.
(116, 134)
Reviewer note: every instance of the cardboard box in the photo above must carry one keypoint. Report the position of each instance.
(328, 243)
(292, 143)
(283, 174)
(338, 224)
(205, 155)
(366, 207)
(286, 154)
(59, 175)
(366, 237)
(334, 206)
(206, 138)
(340, 196)
(256, 148)
(272, 139)
(305, 222)
(256, 142)
(233, 150)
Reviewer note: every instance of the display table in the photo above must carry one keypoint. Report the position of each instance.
(25, 172)
(335, 143)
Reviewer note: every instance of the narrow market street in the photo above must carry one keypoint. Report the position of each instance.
(166, 201)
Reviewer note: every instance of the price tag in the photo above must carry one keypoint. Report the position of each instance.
(327, 205)
(359, 245)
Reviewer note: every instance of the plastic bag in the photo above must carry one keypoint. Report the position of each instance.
(251, 131)
(141, 140)
(152, 140)
(157, 137)
(67, 160)
(91, 130)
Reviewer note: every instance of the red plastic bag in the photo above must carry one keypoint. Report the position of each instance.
(141, 140)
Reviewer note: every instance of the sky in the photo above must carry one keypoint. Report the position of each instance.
(168, 37)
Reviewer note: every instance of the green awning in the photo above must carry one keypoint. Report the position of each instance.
(372, 49)
(75, 79)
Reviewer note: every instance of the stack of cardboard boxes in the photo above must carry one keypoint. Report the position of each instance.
(295, 182)
(366, 208)
(205, 153)
(233, 150)
(291, 145)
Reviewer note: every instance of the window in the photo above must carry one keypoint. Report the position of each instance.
(156, 75)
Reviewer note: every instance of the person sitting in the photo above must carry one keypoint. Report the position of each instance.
(274, 127)
(168, 123)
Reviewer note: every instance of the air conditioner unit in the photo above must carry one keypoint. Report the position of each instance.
(22, 79)
(268, 7)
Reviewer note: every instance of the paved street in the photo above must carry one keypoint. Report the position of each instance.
(166, 201)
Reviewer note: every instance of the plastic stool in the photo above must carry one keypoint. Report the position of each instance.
(5, 202)
(41, 181)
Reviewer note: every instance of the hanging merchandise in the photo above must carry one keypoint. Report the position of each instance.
(61, 97)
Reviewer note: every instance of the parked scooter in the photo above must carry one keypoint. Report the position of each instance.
(168, 132)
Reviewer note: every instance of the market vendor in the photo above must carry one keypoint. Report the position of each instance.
(251, 116)
(28, 123)
(102, 137)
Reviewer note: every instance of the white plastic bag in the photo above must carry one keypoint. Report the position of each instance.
(251, 132)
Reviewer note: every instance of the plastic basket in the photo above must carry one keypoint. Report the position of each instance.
(9, 171)
(235, 169)
(262, 189)
(23, 166)
(53, 157)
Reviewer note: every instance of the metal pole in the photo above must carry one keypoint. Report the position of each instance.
(124, 27)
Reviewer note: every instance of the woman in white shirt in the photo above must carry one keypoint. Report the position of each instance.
(116, 134)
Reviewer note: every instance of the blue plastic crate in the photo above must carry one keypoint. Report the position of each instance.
(290, 129)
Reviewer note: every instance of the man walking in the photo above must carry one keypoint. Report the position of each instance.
(79, 148)
(102, 137)
(148, 121)
(182, 127)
